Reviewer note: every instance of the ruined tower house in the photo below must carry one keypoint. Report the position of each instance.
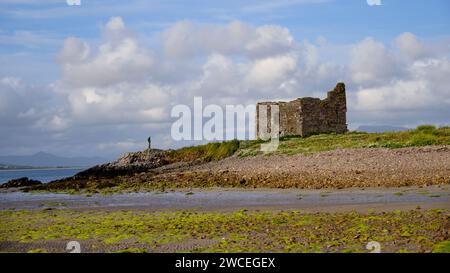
(305, 116)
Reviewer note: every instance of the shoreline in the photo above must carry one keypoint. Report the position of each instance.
(229, 199)
(341, 168)
(46, 169)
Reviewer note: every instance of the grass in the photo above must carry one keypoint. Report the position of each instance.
(210, 151)
(37, 250)
(422, 136)
(442, 247)
(236, 231)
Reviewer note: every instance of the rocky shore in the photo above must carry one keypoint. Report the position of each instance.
(128, 164)
(20, 182)
(342, 168)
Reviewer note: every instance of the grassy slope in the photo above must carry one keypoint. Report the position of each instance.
(210, 151)
(422, 136)
(239, 231)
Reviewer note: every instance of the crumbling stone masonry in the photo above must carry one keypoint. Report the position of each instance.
(305, 116)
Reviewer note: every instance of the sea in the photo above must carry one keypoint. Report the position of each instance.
(43, 175)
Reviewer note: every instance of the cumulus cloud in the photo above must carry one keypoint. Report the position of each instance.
(399, 95)
(187, 39)
(25, 105)
(115, 92)
(374, 2)
(410, 45)
(372, 63)
(269, 71)
(73, 51)
(409, 77)
(121, 80)
(118, 104)
(119, 58)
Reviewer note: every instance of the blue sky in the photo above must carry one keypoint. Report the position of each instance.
(47, 23)
(57, 74)
(338, 20)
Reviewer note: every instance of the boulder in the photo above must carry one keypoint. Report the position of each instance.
(20, 182)
(128, 164)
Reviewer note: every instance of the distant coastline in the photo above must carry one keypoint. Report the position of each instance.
(43, 175)
(42, 160)
(25, 168)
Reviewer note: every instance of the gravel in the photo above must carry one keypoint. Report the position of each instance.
(368, 167)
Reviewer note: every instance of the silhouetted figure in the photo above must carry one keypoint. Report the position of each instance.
(149, 142)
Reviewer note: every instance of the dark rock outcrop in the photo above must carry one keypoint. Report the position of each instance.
(20, 182)
(128, 164)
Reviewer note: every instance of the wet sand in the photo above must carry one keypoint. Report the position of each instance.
(377, 199)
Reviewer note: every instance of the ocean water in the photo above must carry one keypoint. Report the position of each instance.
(43, 175)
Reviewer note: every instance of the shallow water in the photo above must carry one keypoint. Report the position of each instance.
(226, 199)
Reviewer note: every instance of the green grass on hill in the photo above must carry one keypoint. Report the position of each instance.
(422, 136)
(210, 151)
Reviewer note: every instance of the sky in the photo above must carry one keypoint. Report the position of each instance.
(97, 79)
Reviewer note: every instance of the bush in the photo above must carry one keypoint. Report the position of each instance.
(425, 128)
(210, 151)
(222, 150)
(442, 131)
(423, 139)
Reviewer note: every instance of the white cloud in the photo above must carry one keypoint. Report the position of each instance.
(118, 104)
(114, 63)
(390, 85)
(122, 88)
(374, 2)
(371, 63)
(400, 95)
(410, 45)
(119, 58)
(187, 39)
(269, 71)
(73, 51)
(115, 24)
(221, 74)
(269, 40)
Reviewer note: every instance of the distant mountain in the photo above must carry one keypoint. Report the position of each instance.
(380, 128)
(42, 159)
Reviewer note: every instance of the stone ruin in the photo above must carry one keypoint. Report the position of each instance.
(304, 116)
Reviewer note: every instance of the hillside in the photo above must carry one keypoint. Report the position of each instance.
(356, 159)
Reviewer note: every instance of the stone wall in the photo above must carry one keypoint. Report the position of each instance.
(305, 116)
